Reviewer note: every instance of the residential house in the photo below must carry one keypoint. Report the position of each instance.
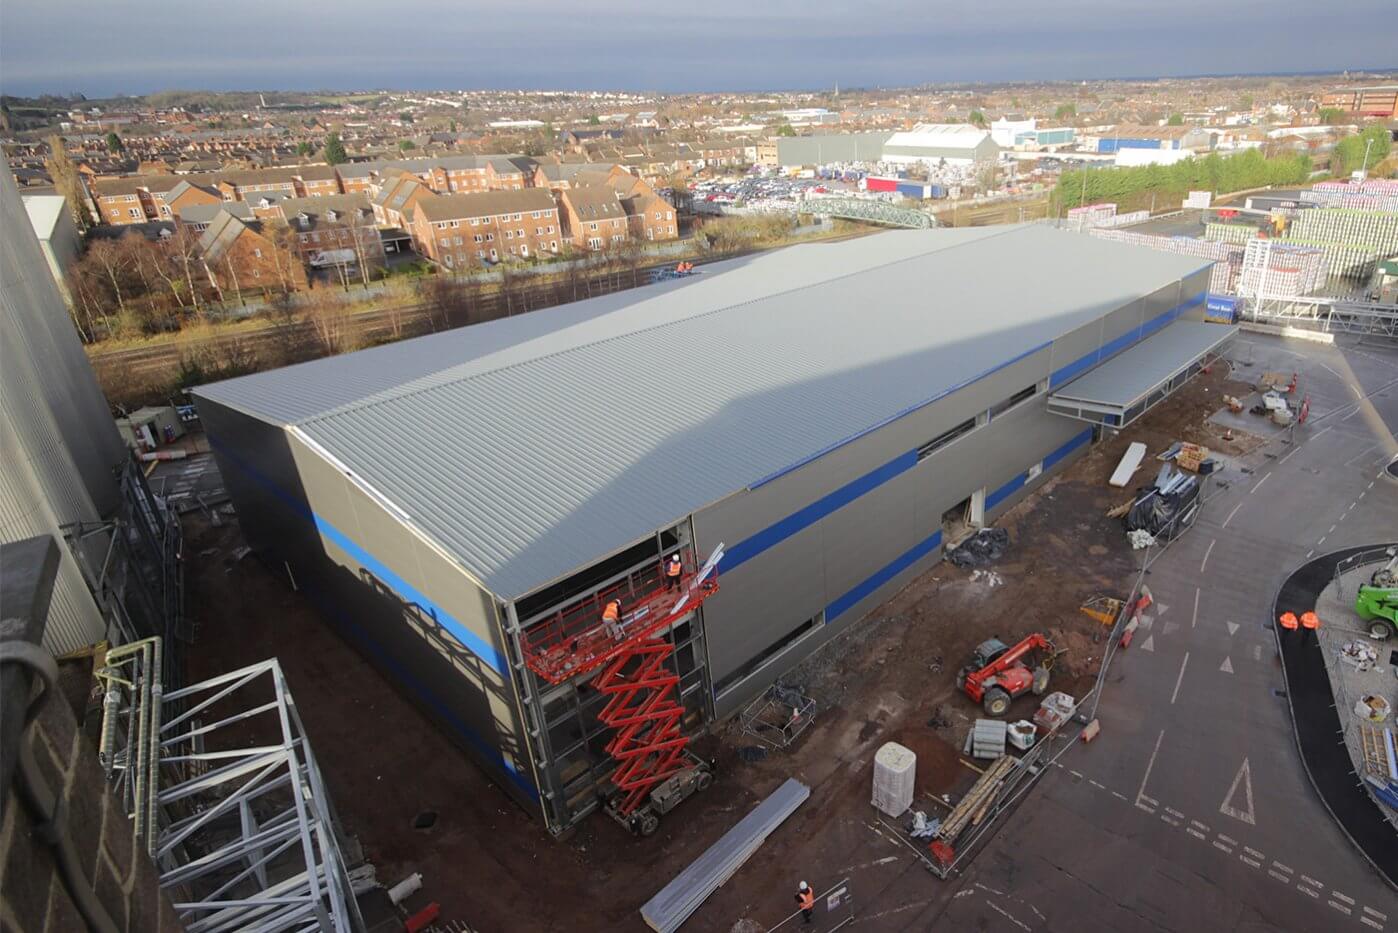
(240, 259)
(185, 195)
(461, 230)
(393, 201)
(334, 222)
(593, 217)
(197, 217)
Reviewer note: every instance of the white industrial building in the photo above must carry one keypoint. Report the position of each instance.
(941, 143)
(1006, 130)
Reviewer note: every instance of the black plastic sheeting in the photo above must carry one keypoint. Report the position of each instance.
(1156, 512)
(1316, 722)
(984, 547)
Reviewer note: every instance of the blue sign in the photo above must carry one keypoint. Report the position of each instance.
(1221, 309)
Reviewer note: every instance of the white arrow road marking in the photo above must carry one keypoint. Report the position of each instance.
(1226, 666)
(1232, 628)
(1244, 778)
(1148, 644)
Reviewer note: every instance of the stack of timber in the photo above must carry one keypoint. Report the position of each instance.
(706, 874)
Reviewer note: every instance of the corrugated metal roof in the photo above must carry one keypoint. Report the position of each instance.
(533, 446)
(1127, 378)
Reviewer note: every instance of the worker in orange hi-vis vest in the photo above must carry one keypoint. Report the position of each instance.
(611, 619)
(1288, 622)
(1310, 627)
(674, 570)
(805, 900)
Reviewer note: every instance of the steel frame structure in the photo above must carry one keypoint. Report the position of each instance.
(1328, 315)
(879, 212)
(244, 836)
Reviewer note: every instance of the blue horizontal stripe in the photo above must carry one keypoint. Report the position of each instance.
(1005, 491)
(774, 534)
(328, 608)
(467, 638)
(1113, 347)
(920, 550)
(1064, 450)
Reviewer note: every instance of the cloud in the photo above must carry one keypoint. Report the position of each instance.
(142, 45)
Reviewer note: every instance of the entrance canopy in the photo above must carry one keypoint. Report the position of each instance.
(1130, 384)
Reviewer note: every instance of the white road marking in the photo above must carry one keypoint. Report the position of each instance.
(1202, 826)
(1279, 876)
(1321, 541)
(1286, 868)
(1141, 794)
(1149, 643)
(1376, 926)
(1004, 913)
(1331, 531)
(1232, 629)
(1308, 891)
(1170, 820)
(1342, 897)
(1289, 455)
(1205, 562)
(1321, 431)
(1118, 795)
(1222, 847)
(1195, 833)
(1257, 652)
(1231, 514)
(1150, 800)
(1194, 619)
(1175, 813)
(1142, 806)
(1252, 862)
(1340, 907)
(1309, 880)
(1253, 852)
(1096, 785)
(1226, 666)
(1350, 509)
(1076, 774)
(1362, 452)
(1228, 839)
(1243, 777)
(1256, 486)
(1372, 911)
(1178, 681)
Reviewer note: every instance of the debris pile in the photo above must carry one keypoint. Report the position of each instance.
(1358, 655)
(1167, 505)
(984, 547)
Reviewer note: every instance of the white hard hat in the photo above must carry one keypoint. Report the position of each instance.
(804, 886)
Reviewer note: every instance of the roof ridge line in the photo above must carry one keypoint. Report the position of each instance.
(383, 397)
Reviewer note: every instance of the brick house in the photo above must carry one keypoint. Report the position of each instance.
(461, 230)
(240, 259)
(593, 217)
(393, 202)
(131, 199)
(185, 195)
(332, 222)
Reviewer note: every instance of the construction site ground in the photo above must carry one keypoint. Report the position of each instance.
(493, 867)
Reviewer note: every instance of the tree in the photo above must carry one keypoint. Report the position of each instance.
(1349, 154)
(1065, 111)
(114, 143)
(67, 183)
(329, 320)
(405, 117)
(335, 150)
(977, 118)
(304, 148)
(1331, 115)
(786, 130)
(594, 120)
(405, 145)
(1176, 119)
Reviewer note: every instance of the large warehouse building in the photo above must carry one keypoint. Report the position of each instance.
(462, 506)
(938, 143)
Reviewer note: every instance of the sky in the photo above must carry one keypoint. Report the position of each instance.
(105, 48)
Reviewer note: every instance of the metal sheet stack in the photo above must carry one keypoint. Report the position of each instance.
(895, 770)
(675, 902)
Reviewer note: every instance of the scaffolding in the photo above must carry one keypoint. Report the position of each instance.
(1328, 315)
(226, 796)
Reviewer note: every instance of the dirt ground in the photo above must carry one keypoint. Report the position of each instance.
(494, 868)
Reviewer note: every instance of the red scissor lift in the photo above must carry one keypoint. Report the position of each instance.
(642, 709)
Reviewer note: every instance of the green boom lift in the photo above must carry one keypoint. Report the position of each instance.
(1377, 602)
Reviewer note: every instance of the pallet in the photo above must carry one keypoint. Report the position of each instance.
(1371, 744)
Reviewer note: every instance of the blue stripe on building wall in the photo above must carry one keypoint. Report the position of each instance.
(1073, 443)
(327, 607)
(1005, 491)
(1113, 347)
(774, 534)
(842, 605)
(468, 639)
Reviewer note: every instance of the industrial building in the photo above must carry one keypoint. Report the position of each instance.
(1190, 138)
(464, 507)
(826, 148)
(940, 143)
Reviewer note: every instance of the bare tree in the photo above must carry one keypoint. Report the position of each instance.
(111, 259)
(285, 251)
(67, 182)
(329, 320)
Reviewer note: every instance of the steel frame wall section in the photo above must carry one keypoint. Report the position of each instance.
(1328, 315)
(251, 842)
(879, 212)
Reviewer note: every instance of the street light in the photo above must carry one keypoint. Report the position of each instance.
(1364, 170)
